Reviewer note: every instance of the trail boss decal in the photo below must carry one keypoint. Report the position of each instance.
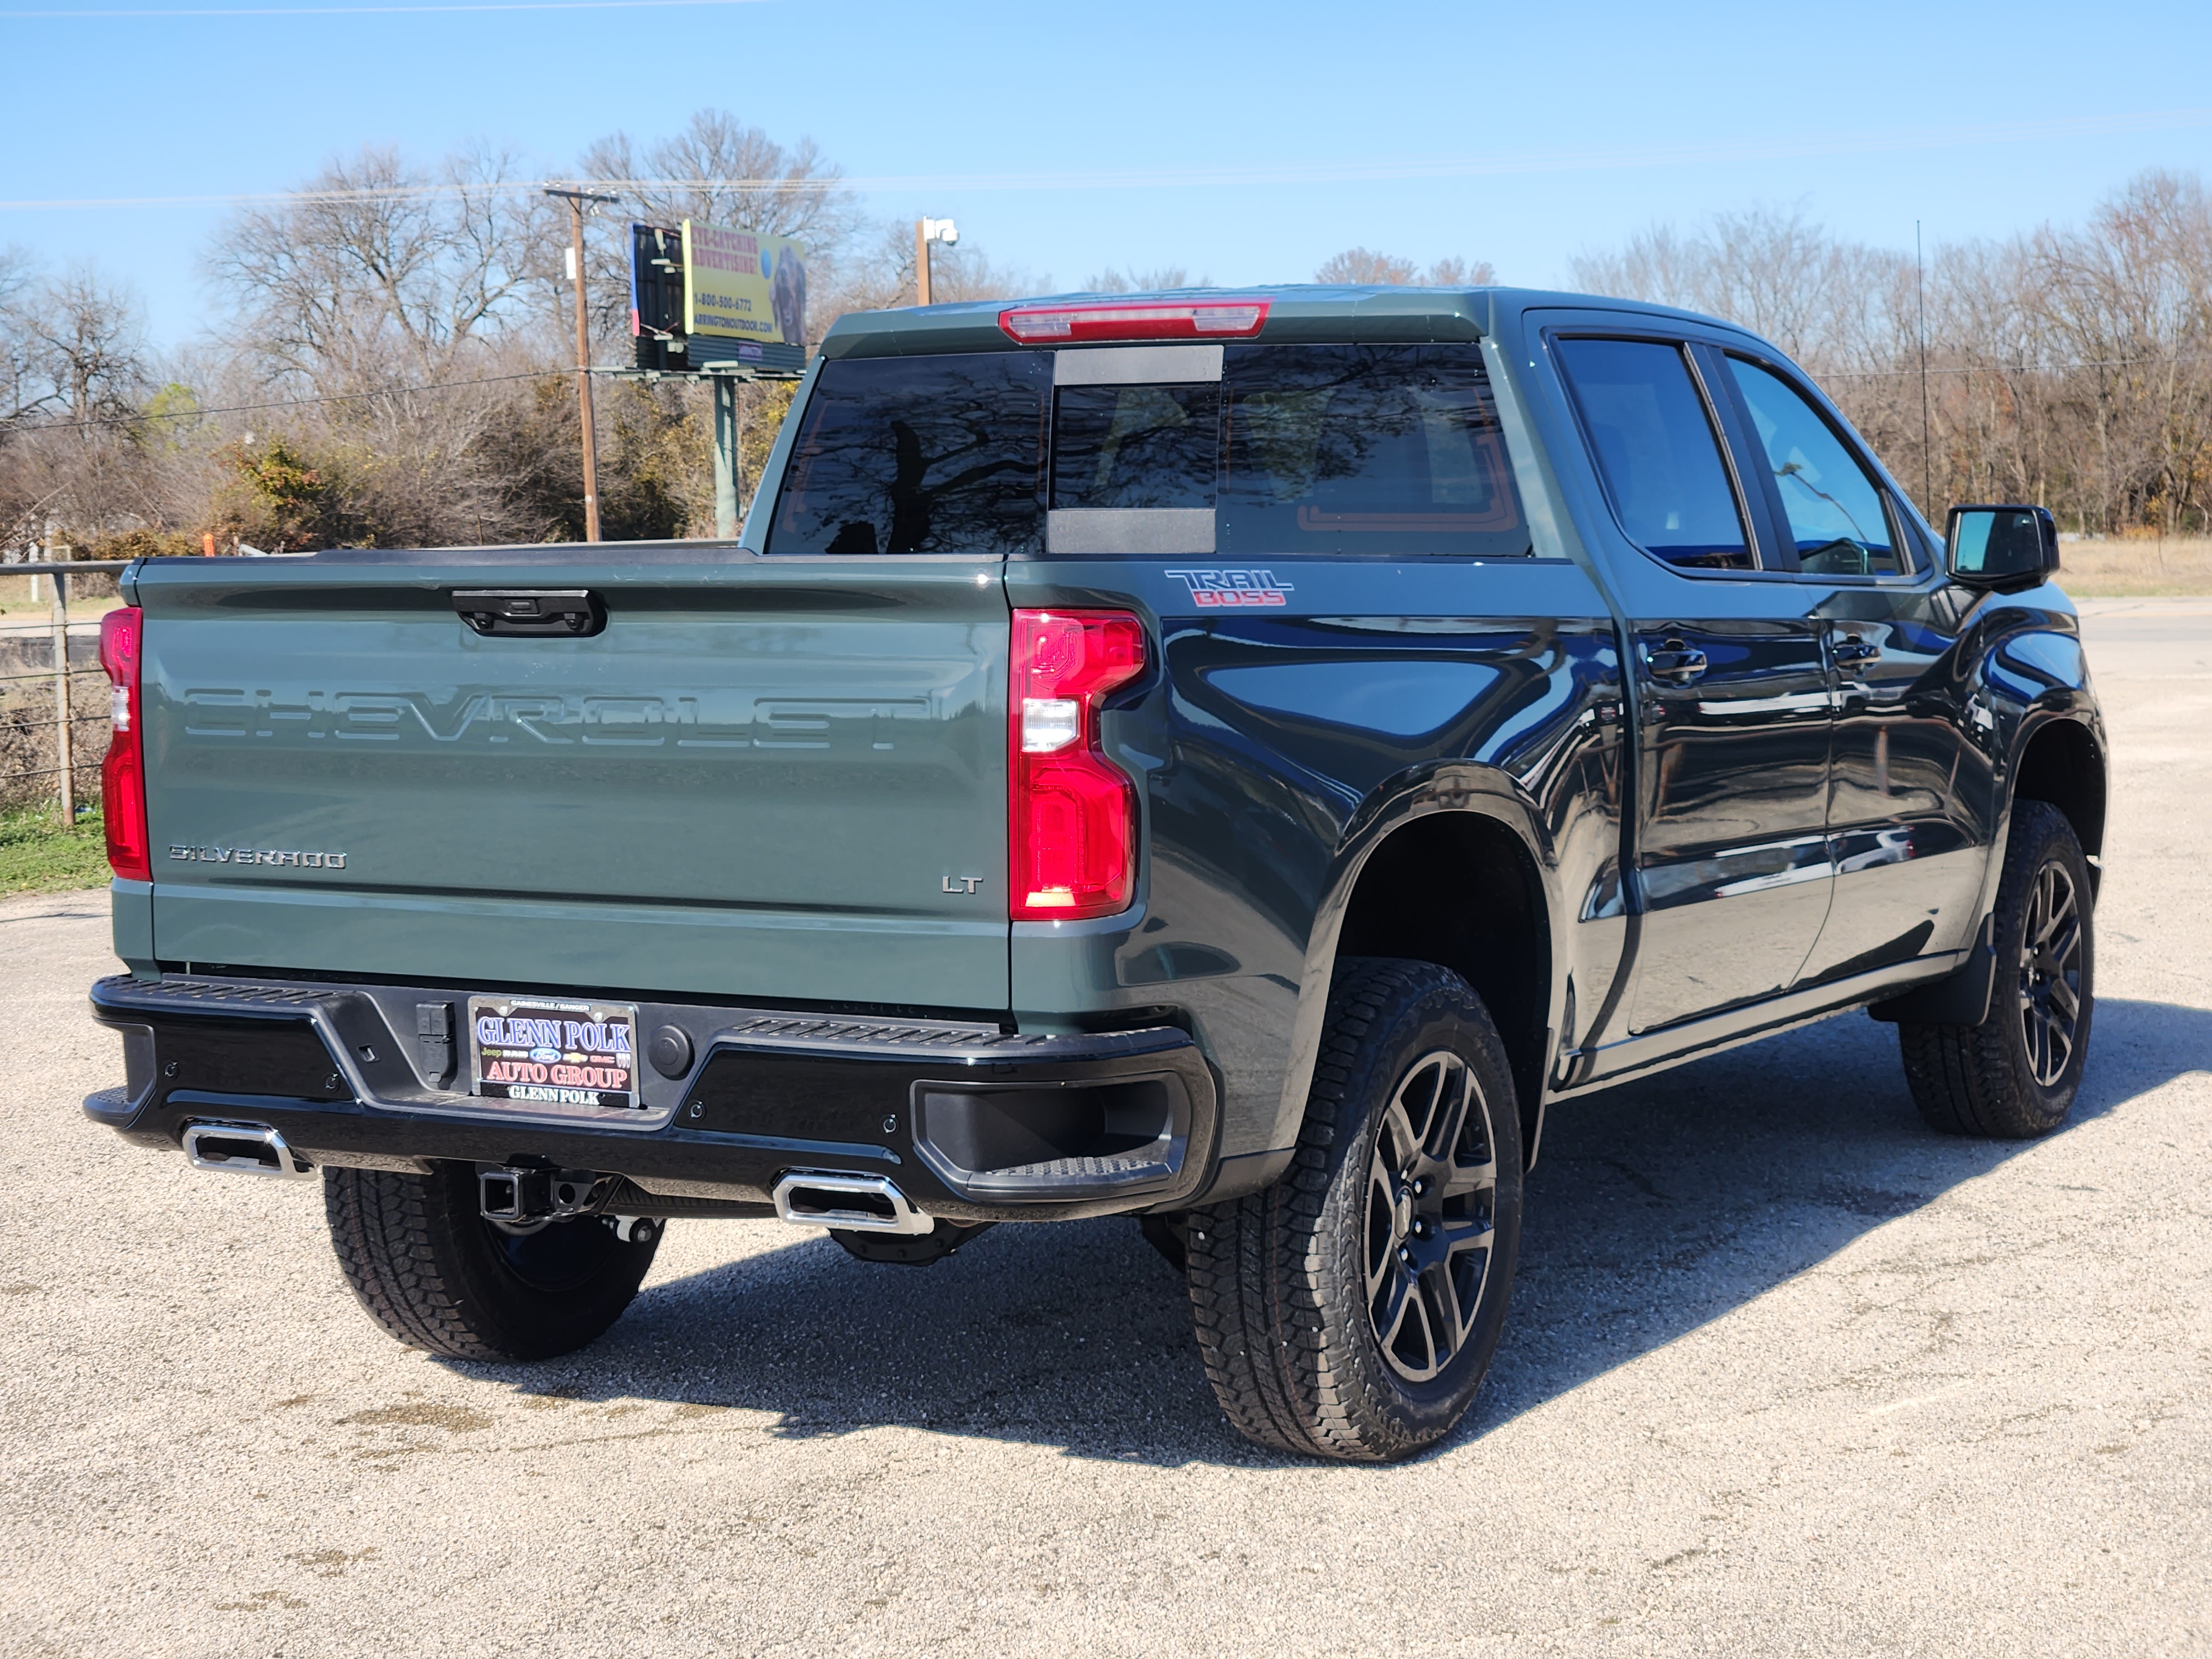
(554, 1054)
(1222, 589)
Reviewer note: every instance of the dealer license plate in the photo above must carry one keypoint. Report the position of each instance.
(541, 1051)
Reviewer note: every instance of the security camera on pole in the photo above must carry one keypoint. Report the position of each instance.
(926, 231)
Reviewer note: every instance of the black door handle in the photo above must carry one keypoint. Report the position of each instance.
(1852, 648)
(1675, 662)
(532, 612)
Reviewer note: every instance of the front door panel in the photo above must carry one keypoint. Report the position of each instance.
(1912, 802)
(1732, 854)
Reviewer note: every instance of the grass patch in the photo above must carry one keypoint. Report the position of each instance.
(40, 855)
(2135, 568)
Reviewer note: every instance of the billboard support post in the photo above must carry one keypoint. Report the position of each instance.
(576, 199)
(725, 455)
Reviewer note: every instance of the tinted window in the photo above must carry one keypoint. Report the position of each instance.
(1364, 449)
(1655, 448)
(920, 455)
(1135, 446)
(1835, 511)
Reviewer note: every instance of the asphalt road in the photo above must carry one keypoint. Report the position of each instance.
(1785, 1373)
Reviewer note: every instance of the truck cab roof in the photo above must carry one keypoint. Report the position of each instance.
(1297, 312)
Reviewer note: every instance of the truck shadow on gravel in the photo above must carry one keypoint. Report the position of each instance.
(1657, 1206)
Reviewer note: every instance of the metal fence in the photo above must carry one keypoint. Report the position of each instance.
(53, 698)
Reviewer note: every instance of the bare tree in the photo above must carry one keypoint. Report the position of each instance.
(2070, 367)
(1359, 264)
(1132, 281)
(1363, 265)
(74, 345)
(1455, 272)
(88, 338)
(722, 171)
(24, 394)
(377, 271)
(2128, 299)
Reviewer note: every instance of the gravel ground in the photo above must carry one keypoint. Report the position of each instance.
(1784, 1375)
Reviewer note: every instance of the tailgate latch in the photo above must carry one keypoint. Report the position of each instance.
(532, 612)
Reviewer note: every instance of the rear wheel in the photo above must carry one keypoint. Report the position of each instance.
(2014, 1075)
(1351, 1310)
(433, 1272)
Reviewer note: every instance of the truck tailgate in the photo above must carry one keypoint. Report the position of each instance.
(781, 779)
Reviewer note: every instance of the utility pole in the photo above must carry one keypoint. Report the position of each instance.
(576, 199)
(926, 231)
(1927, 454)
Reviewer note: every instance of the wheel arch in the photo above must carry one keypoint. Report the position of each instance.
(1455, 872)
(2061, 762)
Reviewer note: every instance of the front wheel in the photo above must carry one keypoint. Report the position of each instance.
(1351, 1310)
(433, 1272)
(2014, 1075)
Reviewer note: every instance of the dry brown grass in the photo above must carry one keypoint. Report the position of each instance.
(2136, 567)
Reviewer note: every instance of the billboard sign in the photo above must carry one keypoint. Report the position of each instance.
(740, 285)
(656, 297)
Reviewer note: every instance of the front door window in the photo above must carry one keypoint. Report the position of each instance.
(1833, 509)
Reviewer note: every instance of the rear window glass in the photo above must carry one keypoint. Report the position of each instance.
(1392, 449)
(1319, 449)
(1135, 446)
(920, 455)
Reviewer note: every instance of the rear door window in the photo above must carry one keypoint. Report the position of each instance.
(1834, 509)
(941, 454)
(1657, 451)
(1377, 449)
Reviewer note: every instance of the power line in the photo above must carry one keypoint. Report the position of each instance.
(364, 11)
(1570, 160)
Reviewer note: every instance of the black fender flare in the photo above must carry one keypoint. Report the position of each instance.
(1456, 787)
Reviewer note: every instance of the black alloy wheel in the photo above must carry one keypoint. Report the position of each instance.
(1351, 1310)
(1432, 1201)
(2051, 972)
(2015, 1075)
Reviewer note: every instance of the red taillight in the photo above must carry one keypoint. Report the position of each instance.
(1074, 816)
(123, 773)
(1135, 319)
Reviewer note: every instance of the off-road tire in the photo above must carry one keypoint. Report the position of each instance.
(1279, 1280)
(435, 1274)
(1981, 1079)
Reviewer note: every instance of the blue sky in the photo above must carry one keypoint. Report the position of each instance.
(1545, 130)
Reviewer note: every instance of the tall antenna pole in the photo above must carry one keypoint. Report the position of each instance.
(576, 199)
(1927, 454)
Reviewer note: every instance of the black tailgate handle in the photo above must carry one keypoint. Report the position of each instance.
(532, 612)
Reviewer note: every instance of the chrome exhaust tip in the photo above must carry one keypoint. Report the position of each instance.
(247, 1148)
(849, 1203)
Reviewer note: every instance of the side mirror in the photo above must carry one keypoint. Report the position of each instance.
(2002, 547)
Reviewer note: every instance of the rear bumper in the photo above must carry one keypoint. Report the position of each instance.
(970, 1123)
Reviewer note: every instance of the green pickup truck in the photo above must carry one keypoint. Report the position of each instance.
(1234, 760)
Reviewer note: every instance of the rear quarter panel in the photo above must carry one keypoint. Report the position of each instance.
(1275, 747)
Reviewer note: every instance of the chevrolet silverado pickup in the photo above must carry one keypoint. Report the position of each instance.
(1237, 760)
